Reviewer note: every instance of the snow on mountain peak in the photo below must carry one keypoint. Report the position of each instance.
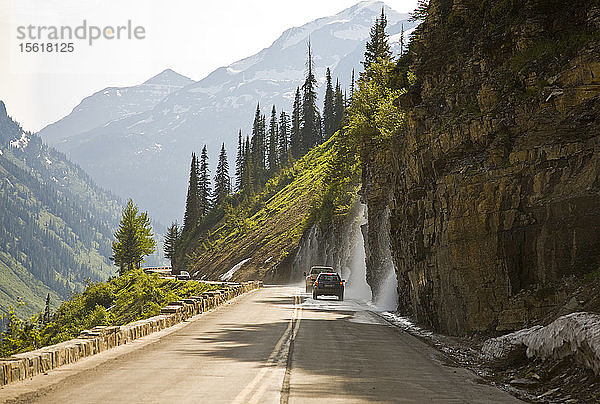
(211, 111)
(352, 23)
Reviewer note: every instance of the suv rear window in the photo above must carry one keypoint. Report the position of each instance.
(329, 278)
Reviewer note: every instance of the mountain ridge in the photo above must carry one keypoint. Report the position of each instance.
(56, 224)
(136, 152)
(104, 110)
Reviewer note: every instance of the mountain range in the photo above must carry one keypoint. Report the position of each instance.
(56, 224)
(136, 141)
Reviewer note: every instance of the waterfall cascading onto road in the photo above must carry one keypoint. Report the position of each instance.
(306, 256)
(356, 283)
(386, 298)
(340, 246)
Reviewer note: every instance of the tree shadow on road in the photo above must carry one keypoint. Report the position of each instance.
(353, 359)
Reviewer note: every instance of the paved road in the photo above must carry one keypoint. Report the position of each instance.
(275, 345)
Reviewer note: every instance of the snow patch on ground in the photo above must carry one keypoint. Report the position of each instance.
(576, 335)
(209, 90)
(405, 324)
(229, 274)
(20, 143)
(180, 109)
(508, 348)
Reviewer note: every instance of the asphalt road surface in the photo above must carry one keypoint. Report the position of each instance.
(275, 345)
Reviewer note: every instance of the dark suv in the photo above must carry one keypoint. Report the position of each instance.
(328, 284)
(312, 276)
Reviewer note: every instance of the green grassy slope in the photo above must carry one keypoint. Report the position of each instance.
(21, 290)
(133, 296)
(266, 229)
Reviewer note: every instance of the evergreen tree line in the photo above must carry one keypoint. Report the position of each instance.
(270, 147)
(288, 137)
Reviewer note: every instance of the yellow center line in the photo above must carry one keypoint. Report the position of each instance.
(277, 358)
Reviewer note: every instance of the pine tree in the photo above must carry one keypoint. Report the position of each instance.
(309, 132)
(338, 106)
(377, 46)
(247, 178)
(319, 124)
(222, 180)
(46, 318)
(192, 203)
(402, 40)
(352, 87)
(295, 134)
(134, 239)
(239, 163)
(171, 243)
(264, 146)
(273, 137)
(329, 124)
(258, 149)
(420, 12)
(284, 133)
(204, 184)
(384, 50)
(255, 140)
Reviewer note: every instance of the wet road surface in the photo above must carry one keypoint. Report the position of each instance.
(274, 345)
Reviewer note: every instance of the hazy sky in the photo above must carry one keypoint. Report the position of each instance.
(192, 37)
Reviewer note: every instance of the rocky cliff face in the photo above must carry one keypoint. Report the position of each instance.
(493, 189)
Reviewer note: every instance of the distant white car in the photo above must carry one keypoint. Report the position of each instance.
(184, 276)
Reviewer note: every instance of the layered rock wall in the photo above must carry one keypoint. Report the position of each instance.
(495, 189)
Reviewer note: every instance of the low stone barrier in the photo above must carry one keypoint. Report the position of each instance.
(90, 342)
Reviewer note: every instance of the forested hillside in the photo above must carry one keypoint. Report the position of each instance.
(292, 173)
(257, 237)
(56, 225)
